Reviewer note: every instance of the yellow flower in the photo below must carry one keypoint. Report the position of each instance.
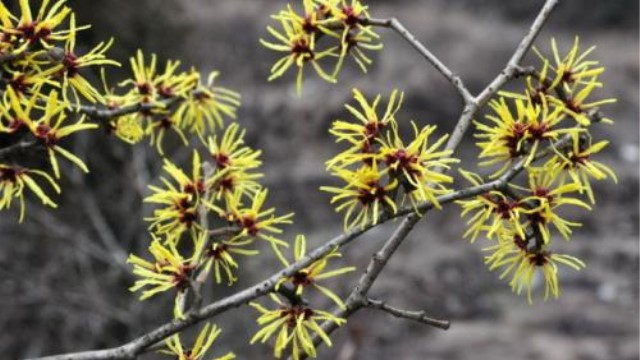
(71, 64)
(355, 36)
(493, 211)
(180, 202)
(231, 152)
(364, 195)
(50, 128)
(171, 84)
(42, 28)
(353, 43)
(543, 216)
(232, 182)
(14, 180)
(127, 129)
(169, 270)
(300, 49)
(313, 21)
(578, 108)
(363, 137)
(231, 156)
(372, 124)
(144, 77)
(543, 197)
(24, 83)
(503, 138)
(255, 221)
(201, 346)
(416, 165)
(573, 68)
(219, 256)
(576, 162)
(311, 274)
(158, 127)
(508, 137)
(523, 265)
(205, 107)
(296, 325)
(349, 14)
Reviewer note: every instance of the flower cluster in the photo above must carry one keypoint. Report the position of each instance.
(296, 320)
(168, 100)
(201, 346)
(188, 202)
(379, 166)
(319, 31)
(547, 129)
(218, 205)
(310, 275)
(295, 325)
(43, 78)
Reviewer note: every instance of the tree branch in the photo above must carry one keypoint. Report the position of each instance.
(17, 147)
(419, 316)
(454, 79)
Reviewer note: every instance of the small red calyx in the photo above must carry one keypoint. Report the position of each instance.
(367, 197)
(544, 193)
(250, 224)
(538, 132)
(504, 208)
(195, 188)
(19, 84)
(181, 279)
(47, 135)
(166, 123)
(222, 160)
(301, 48)
(71, 65)
(540, 258)
(350, 17)
(301, 278)
(373, 128)
(10, 174)
(217, 250)
(166, 91)
(293, 313)
(574, 106)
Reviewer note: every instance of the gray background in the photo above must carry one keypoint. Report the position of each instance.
(63, 282)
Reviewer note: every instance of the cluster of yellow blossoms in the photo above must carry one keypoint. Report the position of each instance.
(205, 217)
(47, 96)
(322, 30)
(379, 170)
(168, 100)
(548, 128)
(40, 71)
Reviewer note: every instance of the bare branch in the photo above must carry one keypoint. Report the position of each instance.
(454, 79)
(17, 147)
(419, 316)
(508, 73)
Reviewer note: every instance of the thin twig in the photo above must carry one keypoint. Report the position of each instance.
(23, 145)
(419, 316)
(454, 79)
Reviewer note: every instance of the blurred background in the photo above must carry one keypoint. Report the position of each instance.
(63, 277)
